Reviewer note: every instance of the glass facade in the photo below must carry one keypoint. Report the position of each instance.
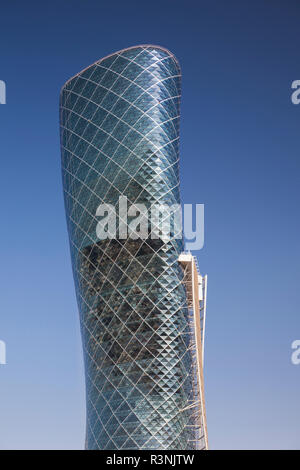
(120, 136)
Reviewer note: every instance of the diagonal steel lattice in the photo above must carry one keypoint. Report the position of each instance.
(120, 136)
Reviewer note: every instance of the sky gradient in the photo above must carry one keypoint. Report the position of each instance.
(239, 157)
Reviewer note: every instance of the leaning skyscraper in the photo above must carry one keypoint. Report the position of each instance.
(141, 300)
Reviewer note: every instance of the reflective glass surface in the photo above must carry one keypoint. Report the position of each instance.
(120, 136)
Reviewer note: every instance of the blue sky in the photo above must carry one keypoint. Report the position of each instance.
(239, 156)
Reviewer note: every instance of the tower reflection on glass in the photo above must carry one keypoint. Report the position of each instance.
(141, 301)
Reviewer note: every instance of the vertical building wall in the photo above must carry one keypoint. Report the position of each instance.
(120, 136)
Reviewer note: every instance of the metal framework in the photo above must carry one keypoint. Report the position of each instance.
(141, 327)
(196, 288)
